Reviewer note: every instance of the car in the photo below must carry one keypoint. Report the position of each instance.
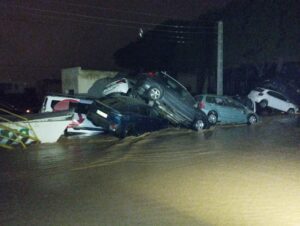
(225, 109)
(120, 86)
(288, 87)
(123, 116)
(169, 96)
(80, 104)
(270, 98)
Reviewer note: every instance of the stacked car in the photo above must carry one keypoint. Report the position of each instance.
(154, 101)
(272, 99)
(151, 101)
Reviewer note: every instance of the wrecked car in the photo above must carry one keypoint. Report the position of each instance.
(122, 116)
(121, 86)
(169, 96)
(270, 98)
(80, 104)
(224, 109)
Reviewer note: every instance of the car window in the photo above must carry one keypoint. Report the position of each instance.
(233, 103)
(80, 108)
(219, 101)
(178, 88)
(53, 103)
(277, 95)
(210, 100)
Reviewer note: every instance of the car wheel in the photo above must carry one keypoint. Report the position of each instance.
(291, 111)
(263, 103)
(122, 132)
(212, 117)
(154, 93)
(200, 124)
(252, 119)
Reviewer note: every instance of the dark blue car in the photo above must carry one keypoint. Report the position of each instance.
(124, 116)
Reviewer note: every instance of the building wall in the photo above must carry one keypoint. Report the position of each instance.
(78, 81)
(69, 79)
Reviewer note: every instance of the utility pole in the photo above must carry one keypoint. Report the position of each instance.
(220, 59)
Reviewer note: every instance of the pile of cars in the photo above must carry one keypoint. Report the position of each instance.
(153, 101)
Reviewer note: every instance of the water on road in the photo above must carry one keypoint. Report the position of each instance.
(228, 175)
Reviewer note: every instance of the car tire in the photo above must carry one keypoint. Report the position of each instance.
(263, 103)
(200, 124)
(122, 132)
(212, 117)
(154, 93)
(251, 119)
(291, 111)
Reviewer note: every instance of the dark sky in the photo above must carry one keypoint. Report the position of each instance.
(40, 37)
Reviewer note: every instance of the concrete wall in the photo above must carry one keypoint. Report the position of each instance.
(69, 79)
(79, 81)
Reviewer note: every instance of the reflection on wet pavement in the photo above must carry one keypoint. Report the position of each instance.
(229, 175)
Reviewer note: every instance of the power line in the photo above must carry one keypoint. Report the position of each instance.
(122, 21)
(115, 10)
(176, 32)
(180, 37)
(110, 9)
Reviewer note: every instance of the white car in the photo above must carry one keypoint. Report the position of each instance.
(80, 124)
(270, 98)
(122, 86)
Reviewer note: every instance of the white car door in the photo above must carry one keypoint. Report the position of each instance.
(277, 101)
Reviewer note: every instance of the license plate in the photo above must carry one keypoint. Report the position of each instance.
(101, 113)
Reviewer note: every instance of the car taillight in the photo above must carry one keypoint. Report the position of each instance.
(113, 127)
(121, 81)
(201, 105)
(151, 74)
(260, 94)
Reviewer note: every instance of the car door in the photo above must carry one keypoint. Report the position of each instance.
(224, 111)
(277, 101)
(143, 120)
(238, 111)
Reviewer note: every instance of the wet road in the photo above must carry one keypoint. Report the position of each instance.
(231, 175)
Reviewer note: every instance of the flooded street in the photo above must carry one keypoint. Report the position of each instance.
(229, 175)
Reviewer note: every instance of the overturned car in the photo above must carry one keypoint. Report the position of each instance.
(165, 93)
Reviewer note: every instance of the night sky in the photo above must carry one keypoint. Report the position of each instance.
(38, 37)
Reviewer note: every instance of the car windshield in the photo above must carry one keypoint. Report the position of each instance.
(259, 89)
(180, 89)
